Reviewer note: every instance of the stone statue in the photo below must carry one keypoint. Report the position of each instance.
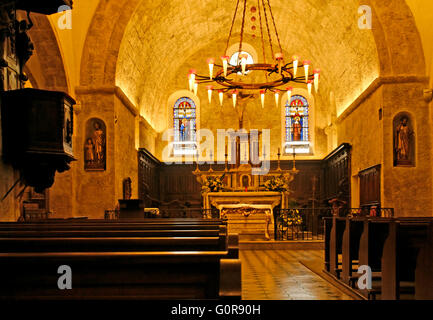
(402, 142)
(89, 156)
(99, 142)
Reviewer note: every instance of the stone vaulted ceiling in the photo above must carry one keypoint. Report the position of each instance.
(162, 36)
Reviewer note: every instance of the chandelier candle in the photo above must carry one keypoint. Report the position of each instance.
(289, 93)
(235, 93)
(240, 74)
(209, 93)
(262, 97)
(211, 62)
(295, 65)
(277, 97)
(306, 65)
(309, 85)
(225, 60)
(221, 96)
(316, 79)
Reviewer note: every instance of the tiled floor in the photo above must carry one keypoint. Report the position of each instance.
(279, 275)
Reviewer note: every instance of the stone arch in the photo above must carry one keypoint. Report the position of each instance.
(390, 21)
(102, 44)
(48, 54)
(397, 38)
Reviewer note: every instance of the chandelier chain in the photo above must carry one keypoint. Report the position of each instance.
(275, 27)
(262, 38)
(231, 28)
(242, 27)
(267, 27)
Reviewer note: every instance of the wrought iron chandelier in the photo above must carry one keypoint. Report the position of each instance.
(276, 75)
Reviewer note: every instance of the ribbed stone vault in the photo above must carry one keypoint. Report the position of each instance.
(162, 37)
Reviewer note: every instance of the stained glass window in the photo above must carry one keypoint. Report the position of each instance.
(297, 116)
(184, 124)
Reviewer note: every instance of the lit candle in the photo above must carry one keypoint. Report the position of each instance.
(211, 62)
(235, 93)
(225, 60)
(191, 78)
(295, 65)
(195, 87)
(262, 97)
(209, 93)
(306, 65)
(316, 79)
(277, 97)
(243, 57)
(309, 85)
(289, 94)
(221, 97)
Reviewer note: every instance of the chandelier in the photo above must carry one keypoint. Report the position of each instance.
(276, 75)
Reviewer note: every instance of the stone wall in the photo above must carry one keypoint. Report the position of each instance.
(89, 193)
(406, 189)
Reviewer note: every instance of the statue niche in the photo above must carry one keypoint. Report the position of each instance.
(404, 141)
(95, 145)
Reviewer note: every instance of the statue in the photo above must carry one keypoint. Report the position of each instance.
(88, 151)
(99, 142)
(127, 188)
(7, 18)
(402, 142)
(24, 46)
(94, 145)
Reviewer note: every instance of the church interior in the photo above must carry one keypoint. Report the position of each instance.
(215, 149)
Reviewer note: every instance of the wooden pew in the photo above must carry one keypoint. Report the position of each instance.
(424, 267)
(350, 248)
(327, 221)
(335, 245)
(224, 247)
(405, 239)
(121, 275)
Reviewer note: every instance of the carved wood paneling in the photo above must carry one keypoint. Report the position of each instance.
(369, 186)
(336, 169)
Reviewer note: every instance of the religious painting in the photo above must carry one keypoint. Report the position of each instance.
(95, 145)
(404, 141)
(297, 115)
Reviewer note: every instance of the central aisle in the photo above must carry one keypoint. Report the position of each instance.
(279, 275)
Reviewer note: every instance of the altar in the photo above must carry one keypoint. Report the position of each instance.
(250, 214)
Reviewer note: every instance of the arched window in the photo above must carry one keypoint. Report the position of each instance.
(297, 134)
(184, 124)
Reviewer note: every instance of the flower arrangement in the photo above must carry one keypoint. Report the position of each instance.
(276, 184)
(213, 184)
(292, 218)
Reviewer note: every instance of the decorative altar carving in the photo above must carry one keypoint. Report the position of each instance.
(250, 210)
(247, 205)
